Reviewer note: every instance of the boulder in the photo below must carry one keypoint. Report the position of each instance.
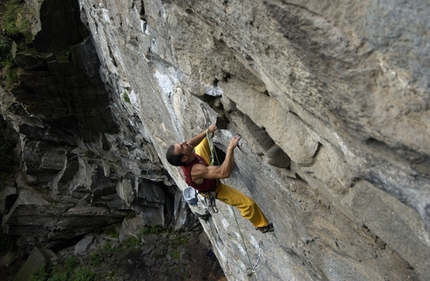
(83, 245)
(35, 261)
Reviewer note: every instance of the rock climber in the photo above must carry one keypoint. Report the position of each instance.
(192, 158)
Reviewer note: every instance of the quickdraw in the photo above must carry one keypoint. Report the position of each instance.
(210, 199)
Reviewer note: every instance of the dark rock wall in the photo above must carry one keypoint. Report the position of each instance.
(73, 151)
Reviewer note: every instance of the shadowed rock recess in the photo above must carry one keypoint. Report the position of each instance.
(331, 100)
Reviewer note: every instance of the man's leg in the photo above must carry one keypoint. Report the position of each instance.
(203, 150)
(247, 207)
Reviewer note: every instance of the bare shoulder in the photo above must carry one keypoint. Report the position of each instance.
(198, 173)
(199, 170)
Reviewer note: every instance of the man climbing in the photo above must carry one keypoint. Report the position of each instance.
(193, 157)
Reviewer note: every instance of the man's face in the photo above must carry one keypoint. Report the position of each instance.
(184, 148)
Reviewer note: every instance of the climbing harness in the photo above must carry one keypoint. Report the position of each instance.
(190, 196)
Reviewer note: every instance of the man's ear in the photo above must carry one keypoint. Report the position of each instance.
(184, 159)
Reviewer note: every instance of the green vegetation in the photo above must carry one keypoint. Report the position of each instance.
(151, 230)
(90, 154)
(59, 276)
(112, 231)
(131, 242)
(175, 254)
(130, 215)
(95, 258)
(181, 239)
(84, 274)
(40, 275)
(112, 275)
(14, 24)
(5, 55)
(67, 271)
(126, 97)
(71, 263)
(15, 27)
(108, 247)
(63, 56)
(10, 71)
(111, 260)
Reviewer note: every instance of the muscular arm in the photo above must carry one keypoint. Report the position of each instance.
(197, 139)
(200, 172)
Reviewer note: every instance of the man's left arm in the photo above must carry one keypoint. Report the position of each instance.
(197, 139)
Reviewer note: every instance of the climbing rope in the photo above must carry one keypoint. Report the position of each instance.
(249, 270)
(214, 157)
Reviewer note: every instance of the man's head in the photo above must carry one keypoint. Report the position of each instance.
(180, 154)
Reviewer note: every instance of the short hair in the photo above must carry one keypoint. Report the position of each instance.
(174, 159)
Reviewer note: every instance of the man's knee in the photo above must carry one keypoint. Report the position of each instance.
(250, 204)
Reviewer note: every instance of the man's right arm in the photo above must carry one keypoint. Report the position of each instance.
(217, 172)
(198, 138)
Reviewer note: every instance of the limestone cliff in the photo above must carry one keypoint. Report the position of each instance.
(331, 99)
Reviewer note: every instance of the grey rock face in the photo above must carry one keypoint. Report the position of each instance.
(314, 80)
(331, 100)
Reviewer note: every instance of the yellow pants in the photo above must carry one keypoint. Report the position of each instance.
(247, 207)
